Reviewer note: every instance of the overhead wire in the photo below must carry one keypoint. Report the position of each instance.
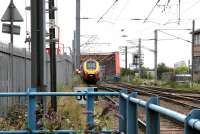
(151, 11)
(193, 5)
(175, 36)
(107, 10)
(122, 10)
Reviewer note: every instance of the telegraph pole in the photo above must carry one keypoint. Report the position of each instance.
(193, 29)
(52, 52)
(73, 54)
(75, 51)
(77, 34)
(155, 53)
(126, 58)
(37, 44)
(139, 53)
(11, 42)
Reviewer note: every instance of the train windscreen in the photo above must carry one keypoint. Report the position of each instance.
(91, 65)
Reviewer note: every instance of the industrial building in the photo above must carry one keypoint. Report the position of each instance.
(196, 56)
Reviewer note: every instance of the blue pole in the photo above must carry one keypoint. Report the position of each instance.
(90, 108)
(31, 110)
(122, 112)
(132, 115)
(152, 117)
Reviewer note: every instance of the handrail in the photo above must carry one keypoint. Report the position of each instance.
(191, 121)
(31, 94)
(128, 103)
(165, 111)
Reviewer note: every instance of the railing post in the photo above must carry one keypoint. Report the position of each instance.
(90, 108)
(152, 117)
(132, 115)
(195, 114)
(122, 112)
(31, 109)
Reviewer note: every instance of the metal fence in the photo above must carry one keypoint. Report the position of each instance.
(128, 109)
(64, 70)
(128, 103)
(22, 74)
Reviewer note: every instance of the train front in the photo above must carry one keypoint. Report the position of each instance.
(91, 70)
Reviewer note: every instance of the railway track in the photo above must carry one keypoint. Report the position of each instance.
(189, 100)
(142, 124)
(182, 102)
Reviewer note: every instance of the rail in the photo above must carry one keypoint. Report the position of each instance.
(128, 104)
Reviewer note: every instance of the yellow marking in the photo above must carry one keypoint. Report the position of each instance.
(91, 71)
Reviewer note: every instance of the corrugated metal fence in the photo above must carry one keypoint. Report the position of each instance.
(22, 74)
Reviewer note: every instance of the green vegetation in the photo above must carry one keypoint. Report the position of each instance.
(76, 80)
(181, 86)
(146, 79)
(181, 70)
(125, 72)
(162, 68)
(15, 120)
(165, 84)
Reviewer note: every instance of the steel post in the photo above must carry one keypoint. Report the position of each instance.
(192, 68)
(152, 117)
(37, 44)
(74, 51)
(132, 115)
(11, 45)
(25, 85)
(78, 34)
(90, 108)
(155, 53)
(140, 56)
(52, 52)
(122, 112)
(31, 110)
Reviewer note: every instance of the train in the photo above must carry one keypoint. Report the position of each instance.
(90, 71)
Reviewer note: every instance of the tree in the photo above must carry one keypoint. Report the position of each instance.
(162, 68)
(125, 72)
(183, 69)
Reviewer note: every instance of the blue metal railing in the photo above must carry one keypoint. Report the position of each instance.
(191, 121)
(31, 94)
(128, 104)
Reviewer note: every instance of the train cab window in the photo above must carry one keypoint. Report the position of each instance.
(91, 65)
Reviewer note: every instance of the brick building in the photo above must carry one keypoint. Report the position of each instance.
(196, 56)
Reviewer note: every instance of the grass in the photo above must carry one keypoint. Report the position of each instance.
(109, 120)
(164, 84)
(181, 86)
(69, 114)
(74, 111)
(15, 120)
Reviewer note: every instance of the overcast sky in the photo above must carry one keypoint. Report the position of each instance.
(117, 22)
